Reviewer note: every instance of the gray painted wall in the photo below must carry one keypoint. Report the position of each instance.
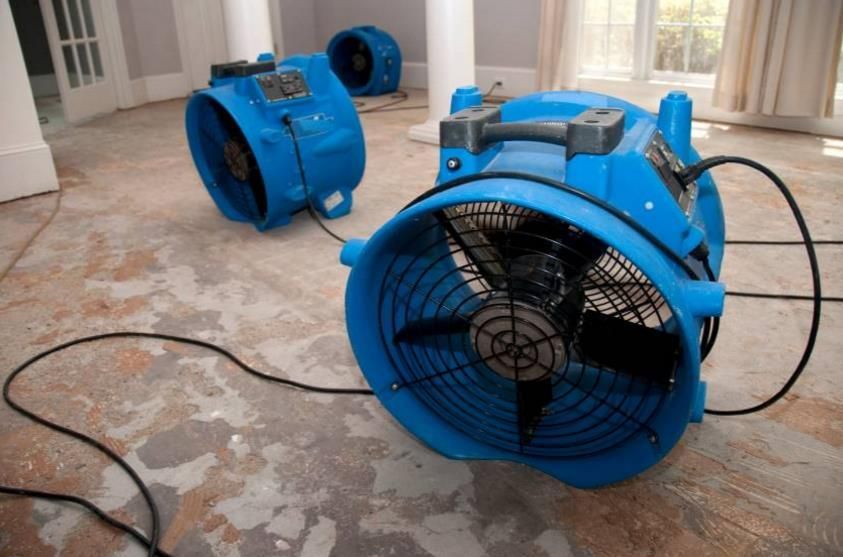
(505, 31)
(298, 26)
(149, 37)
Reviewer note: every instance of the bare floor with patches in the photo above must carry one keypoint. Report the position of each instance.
(243, 468)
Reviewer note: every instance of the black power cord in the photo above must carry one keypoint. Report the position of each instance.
(152, 542)
(288, 122)
(784, 242)
(691, 173)
(398, 97)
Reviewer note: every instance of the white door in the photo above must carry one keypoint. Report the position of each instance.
(74, 31)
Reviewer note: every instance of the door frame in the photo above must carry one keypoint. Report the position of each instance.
(104, 44)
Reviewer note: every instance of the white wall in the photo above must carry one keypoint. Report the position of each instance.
(26, 165)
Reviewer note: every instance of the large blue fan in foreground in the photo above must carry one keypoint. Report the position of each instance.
(544, 303)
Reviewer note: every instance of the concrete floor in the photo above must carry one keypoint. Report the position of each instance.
(240, 467)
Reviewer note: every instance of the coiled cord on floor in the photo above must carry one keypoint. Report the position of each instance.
(152, 542)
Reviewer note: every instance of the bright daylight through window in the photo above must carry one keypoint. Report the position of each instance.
(676, 40)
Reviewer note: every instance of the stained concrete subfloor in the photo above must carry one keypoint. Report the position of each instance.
(241, 467)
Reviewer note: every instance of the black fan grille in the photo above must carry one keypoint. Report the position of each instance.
(234, 169)
(458, 283)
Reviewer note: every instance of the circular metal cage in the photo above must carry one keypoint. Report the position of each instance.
(525, 332)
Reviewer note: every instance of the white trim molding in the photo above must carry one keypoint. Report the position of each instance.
(154, 88)
(27, 170)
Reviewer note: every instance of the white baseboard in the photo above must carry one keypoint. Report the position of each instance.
(44, 85)
(414, 75)
(26, 170)
(517, 81)
(153, 88)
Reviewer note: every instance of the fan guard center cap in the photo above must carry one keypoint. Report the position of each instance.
(517, 340)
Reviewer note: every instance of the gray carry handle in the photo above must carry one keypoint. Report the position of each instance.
(595, 131)
(550, 131)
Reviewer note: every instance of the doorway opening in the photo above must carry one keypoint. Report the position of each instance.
(32, 34)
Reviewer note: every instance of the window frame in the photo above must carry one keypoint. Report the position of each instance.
(645, 33)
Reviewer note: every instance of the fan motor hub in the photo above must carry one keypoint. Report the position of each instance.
(236, 157)
(517, 340)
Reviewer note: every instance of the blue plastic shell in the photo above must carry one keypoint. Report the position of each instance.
(326, 126)
(624, 179)
(366, 59)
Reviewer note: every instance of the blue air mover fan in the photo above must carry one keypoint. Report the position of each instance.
(541, 304)
(247, 130)
(366, 59)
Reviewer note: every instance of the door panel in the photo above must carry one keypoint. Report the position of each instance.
(74, 30)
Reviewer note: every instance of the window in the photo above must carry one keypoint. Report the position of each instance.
(652, 39)
(607, 36)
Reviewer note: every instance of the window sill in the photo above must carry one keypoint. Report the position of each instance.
(648, 94)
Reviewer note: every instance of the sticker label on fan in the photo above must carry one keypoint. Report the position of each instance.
(332, 201)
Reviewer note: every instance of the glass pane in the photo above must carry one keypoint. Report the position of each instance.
(89, 19)
(61, 22)
(623, 11)
(84, 66)
(596, 11)
(75, 21)
(840, 67)
(95, 58)
(72, 76)
(674, 11)
(710, 12)
(593, 46)
(620, 46)
(705, 46)
(670, 48)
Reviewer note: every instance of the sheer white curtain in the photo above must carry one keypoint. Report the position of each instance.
(559, 33)
(780, 57)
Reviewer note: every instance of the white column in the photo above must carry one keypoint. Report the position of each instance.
(450, 60)
(248, 28)
(26, 164)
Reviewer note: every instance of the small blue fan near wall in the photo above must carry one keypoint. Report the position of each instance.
(270, 140)
(366, 59)
(543, 304)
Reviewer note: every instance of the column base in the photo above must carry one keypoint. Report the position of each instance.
(26, 170)
(427, 132)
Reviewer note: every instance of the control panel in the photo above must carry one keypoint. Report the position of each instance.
(283, 86)
(667, 165)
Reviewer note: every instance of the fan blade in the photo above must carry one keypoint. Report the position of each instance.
(430, 326)
(533, 396)
(476, 247)
(629, 348)
(567, 247)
